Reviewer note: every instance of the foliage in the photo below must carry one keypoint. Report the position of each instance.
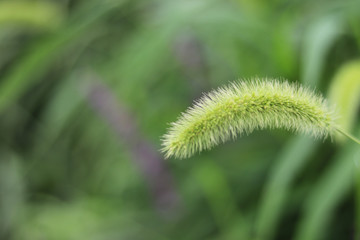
(88, 86)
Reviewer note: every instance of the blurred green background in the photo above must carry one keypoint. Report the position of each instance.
(87, 88)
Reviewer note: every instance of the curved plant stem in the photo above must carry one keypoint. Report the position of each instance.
(348, 135)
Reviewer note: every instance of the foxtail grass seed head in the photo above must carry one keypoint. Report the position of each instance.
(245, 106)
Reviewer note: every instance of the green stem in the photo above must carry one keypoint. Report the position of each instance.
(348, 135)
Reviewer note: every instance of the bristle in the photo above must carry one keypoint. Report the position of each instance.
(242, 107)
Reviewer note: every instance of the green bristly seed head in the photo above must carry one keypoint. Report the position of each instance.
(243, 107)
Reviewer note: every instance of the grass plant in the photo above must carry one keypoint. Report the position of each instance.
(245, 106)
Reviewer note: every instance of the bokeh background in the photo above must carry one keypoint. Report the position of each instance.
(88, 87)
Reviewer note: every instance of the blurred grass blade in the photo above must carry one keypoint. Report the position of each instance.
(11, 193)
(64, 103)
(291, 161)
(148, 51)
(62, 108)
(327, 194)
(218, 193)
(40, 14)
(344, 93)
(31, 67)
(357, 194)
(320, 36)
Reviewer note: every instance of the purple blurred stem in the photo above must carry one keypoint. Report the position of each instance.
(155, 171)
